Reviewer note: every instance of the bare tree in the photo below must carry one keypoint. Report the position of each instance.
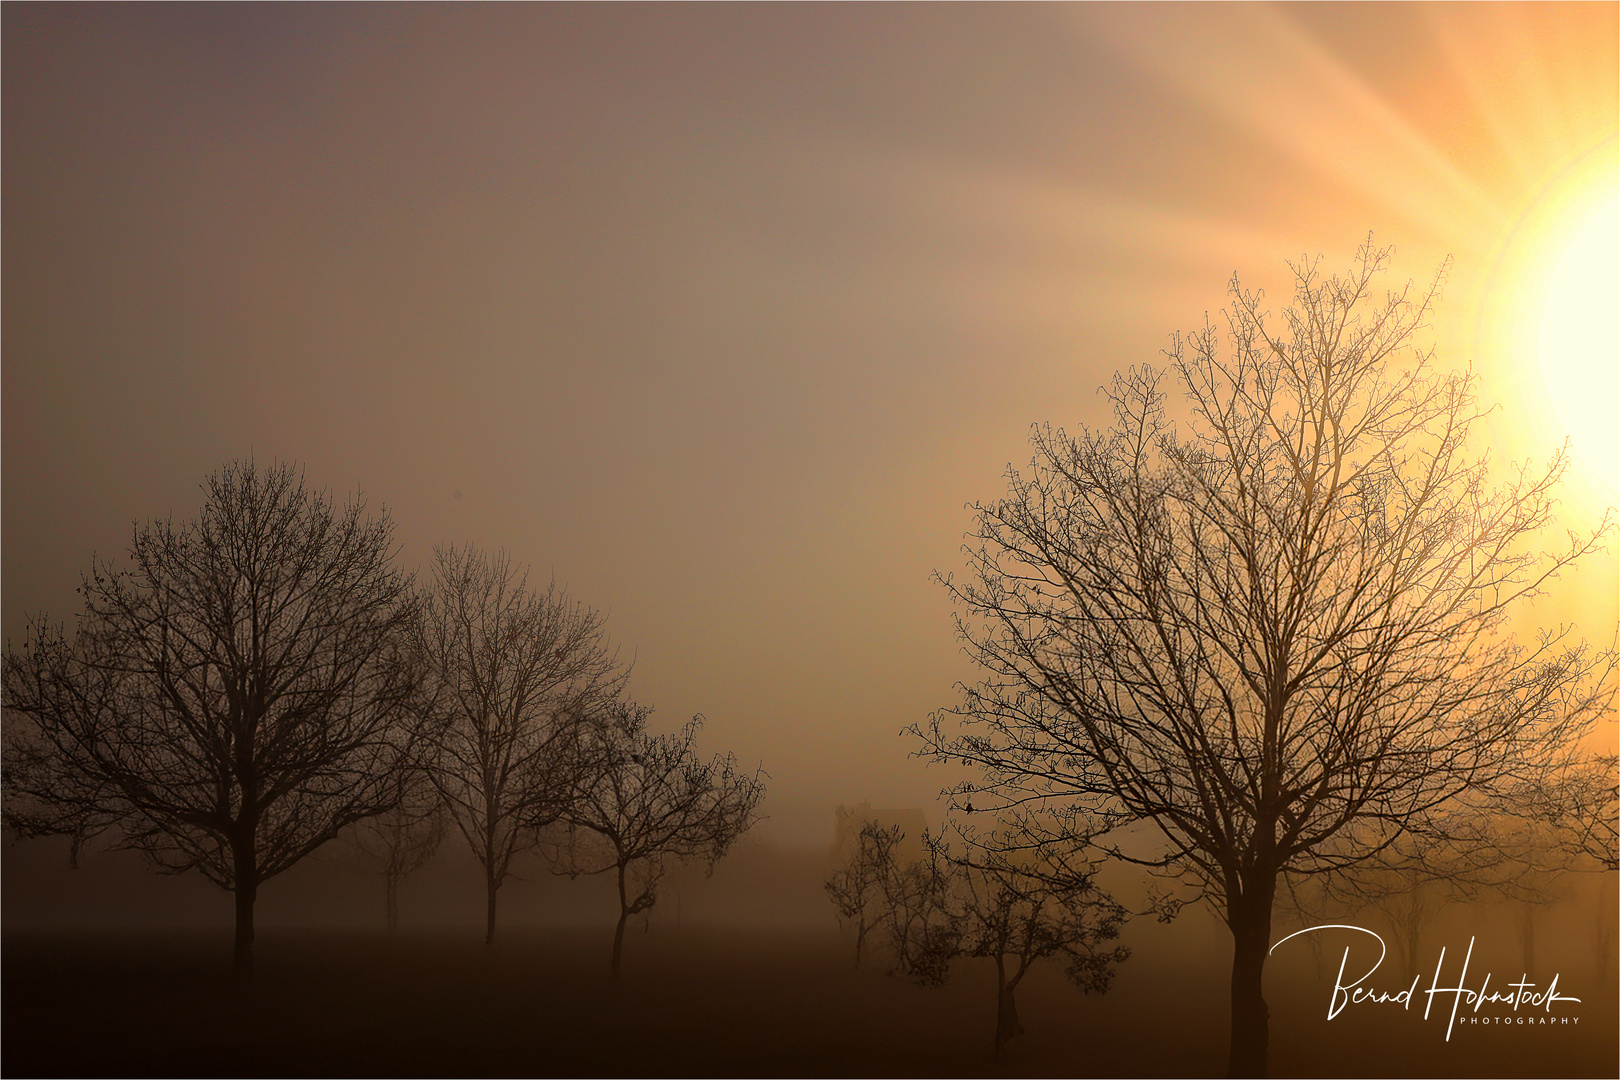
(1020, 912)
(646, 799)
(511, 671)
(1411, 880)
(915, 916)
(402, 841)
(1002, 899)
(231, 700)
(1278, 630)
(856, 887)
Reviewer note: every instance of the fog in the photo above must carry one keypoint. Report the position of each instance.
(721, 317)
(744, 973)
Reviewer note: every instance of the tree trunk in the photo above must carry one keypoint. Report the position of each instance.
(618, 931)
(393, 903)
(1250, 919)
(860, 939)
(491, 886)
(1408, 921)
(492, 881)
(246, 887)
(1007, 1025)
(1527, 930)
(1603, 935)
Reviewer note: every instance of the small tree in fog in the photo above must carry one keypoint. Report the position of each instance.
(1275, 629)
(510, 671)
(644, 800)
(230, 700)
(1581, 809)
(856, 887)
(402, 840)
(915, 915)
(1015, 904)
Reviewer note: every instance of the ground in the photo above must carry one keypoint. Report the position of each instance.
(694, 1001)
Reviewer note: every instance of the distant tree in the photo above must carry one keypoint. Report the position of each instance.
(1571, 821)
(998, 899)
(1029, 905)
(915, 916)
(231, 700)
(644, 800)
(402, 840)
(1411, 880)
(1581, 805)
(1275, 628)
(1408, 896)
(510, 673)
(1586, 805)
(856, 887)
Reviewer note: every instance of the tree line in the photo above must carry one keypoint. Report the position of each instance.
(1256, 636)
(253, 683)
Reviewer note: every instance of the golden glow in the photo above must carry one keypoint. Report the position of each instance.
(1578, 339)
(1548, 327)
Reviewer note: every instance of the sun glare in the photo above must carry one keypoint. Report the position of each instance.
(1578, 339)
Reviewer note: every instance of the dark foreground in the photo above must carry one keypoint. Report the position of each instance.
(691, 1003)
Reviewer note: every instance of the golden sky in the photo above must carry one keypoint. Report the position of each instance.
(720, 314)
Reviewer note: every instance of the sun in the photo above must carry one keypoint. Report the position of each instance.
(1578, 338)
(1548, 328)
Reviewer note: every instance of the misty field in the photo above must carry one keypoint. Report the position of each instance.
(693, 1001)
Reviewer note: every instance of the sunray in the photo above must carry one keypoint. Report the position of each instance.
(1514, 84)
(1260, 71)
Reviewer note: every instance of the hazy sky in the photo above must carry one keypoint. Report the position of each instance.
(720, 314)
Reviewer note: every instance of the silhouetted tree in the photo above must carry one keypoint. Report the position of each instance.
(856, 887)
(231, 700)
(1020, 906)
(402, 840)
(1409, 896)
(511, 671)
(645, 799)
(999, 899)
(1585, 804)
(915, 915)
(1276, 630)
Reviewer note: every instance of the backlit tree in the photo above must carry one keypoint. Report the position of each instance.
(510, 671)
(232, 698)
(1276, 625)
(645, 801)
